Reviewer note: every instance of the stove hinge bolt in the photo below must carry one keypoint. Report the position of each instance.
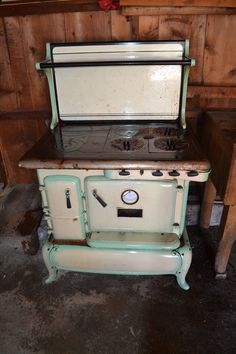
(124, 173)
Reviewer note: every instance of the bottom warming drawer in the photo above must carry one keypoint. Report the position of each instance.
(130, 205)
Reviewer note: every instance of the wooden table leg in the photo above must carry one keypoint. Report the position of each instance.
(227, 235)
(207, 204)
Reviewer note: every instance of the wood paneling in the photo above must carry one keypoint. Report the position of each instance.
(8, 99)
(121, 27)
(220, 51)
(19, 65)
(148, 27)
(186, 10)
(208, 97)
(35, 33)
(191, 27)
(46, 6)
(88, 26)
(17, 135)
(215, 3)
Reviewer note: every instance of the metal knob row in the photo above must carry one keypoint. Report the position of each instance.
(158, 173)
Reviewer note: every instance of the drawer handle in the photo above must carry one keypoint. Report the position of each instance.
(68, 202)
(124, 173)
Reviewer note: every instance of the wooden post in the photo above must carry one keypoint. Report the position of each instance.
(207, 204)
(227, 235)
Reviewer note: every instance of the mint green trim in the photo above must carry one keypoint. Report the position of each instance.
(186, 47)
(186, 70)
(108, 173)
(184, 206)
(133, 246)
(122, 229)
(76, 181)
(49, 75)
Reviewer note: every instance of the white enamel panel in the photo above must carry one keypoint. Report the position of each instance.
(156, 200)
(67, 222)
(114, 91)
(89, 259)
(125, 51)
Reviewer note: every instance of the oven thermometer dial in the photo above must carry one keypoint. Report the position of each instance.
(129, 197)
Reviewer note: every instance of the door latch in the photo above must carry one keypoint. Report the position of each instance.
(99, 199)
(68, 202)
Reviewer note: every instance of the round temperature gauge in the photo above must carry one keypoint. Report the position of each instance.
(129, 196)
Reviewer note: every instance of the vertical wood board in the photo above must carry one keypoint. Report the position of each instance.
(121, 27)
(88, 26)
(187, 27)
(220, 51)
(148, 27)
(8, 99)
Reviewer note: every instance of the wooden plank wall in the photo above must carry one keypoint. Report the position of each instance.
(23, 89)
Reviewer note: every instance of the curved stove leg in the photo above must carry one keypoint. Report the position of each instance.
(53, 271)
(182, 282)
(52, 276)
(185, 253)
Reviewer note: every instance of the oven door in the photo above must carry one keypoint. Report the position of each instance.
(130, 205)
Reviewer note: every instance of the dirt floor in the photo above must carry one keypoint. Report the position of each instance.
(104, 314)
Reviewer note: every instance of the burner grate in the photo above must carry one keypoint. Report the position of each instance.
(168, 131)
(170, 144)
(127, 144)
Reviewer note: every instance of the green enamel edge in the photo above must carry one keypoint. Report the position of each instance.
(49, 75)
(186, 70)
(76, 181)
(131, 246)
(184, 206)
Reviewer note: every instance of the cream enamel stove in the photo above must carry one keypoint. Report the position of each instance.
(115, 169)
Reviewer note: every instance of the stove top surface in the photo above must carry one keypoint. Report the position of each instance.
(131, 144)
(165, 140)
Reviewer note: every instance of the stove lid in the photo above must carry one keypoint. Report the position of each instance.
(117, 81)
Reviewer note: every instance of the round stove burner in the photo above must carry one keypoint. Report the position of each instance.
(170, 144)
(127, 144)
(168, 131)
(126, 133)
(73, 144)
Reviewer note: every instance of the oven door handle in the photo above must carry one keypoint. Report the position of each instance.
(99, 199)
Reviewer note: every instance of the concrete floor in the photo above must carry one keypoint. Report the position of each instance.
(104, 314)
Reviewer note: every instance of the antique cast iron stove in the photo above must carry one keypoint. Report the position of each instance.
(115, 168)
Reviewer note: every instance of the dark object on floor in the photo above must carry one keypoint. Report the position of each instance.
(220, 148)
(20, 214)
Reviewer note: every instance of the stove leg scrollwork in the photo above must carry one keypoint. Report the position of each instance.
(53, 271)
(185, 253)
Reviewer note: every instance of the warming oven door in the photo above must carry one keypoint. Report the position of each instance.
(64, 207)
(131, 205)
